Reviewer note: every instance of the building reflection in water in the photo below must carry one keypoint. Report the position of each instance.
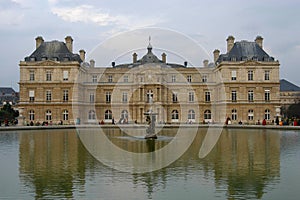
(243, 162)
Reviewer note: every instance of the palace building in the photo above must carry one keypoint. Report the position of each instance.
(59, 85)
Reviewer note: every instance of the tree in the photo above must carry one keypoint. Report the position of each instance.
(7, 112)
(293, 111)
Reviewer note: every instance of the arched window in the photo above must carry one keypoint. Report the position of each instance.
(108, 114)
(48, 115)
(234, 114)
(267, 114)
(250, 114)
(31, 115)
(191, 114)
(92, 114)
(207, 114)
(65, 115)
(175, 114)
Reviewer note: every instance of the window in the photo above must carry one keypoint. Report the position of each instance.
(175, 114)
(191, 96)
(124, 114)
(174, 97)
(108, 97)
(108, 114)
(126, 79)
(207, 96)
(250, 114)
(267, 75)
(48, 115)
(250, 95)
(207, 114)
(191, 114)
(267, 95)
(189, 78)
(233, 96)
(65, 75)
(65, 95)
(31, 75)
(233, 75)
(92, 97)
(31, 115)
(48, 75)
(150, 96)
(173, 78)
(94, 78)
(234, 114)
(31, 95)
(48, 95)
(92, 115)
(267, 114)
(65, 115)
(250, 75)
(110, 79)
(124, 97)
(204, 78)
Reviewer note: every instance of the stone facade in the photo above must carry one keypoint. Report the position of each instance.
(242, 84)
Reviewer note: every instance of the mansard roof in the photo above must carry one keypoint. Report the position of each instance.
(286, 86)
(53, 50)
(245, 50)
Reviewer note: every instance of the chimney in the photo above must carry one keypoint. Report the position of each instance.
(259, 41)
(69, 43)
(205, 63)
(92, 63)
(216, 54)
(230, 42)
(82, 55)
(164, 57)
(113, 64)
(38, 41)
(185, 63)
(134, 57)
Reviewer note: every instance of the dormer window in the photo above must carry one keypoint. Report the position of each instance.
(32, 58)
(66, 59)
(55, 58)
(254, 58)
(44, 58)
(233, 59)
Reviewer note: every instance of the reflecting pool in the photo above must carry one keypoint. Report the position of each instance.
(242, 164)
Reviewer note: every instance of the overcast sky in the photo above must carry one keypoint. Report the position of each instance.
(91, 22)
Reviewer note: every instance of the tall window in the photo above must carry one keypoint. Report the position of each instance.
(267, 75)
(65, 75)
(233, 96)
(175, 114)
(48, 115)
(250, 95)
(191, 96)
(250, 114)
(110, 79)
(174, 97)
(31, 95)
(108, 114)
(207, 96)
(173, 78)
(31, 75)
(31, 115)
(234, 114)
(124, 114)
(65, 95)
(94, 78)
(267, 95)
(92, 115)
(204, 78)
(149, 96)
(126, 79)
(189, 78)
(267, 114)
(250, 75)
(65, 115)
(108, 97)
(207, 114)
(48, 95)
(92, 97)
(233, 75)
(124, 97)
(191, 114)
(48, 75)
